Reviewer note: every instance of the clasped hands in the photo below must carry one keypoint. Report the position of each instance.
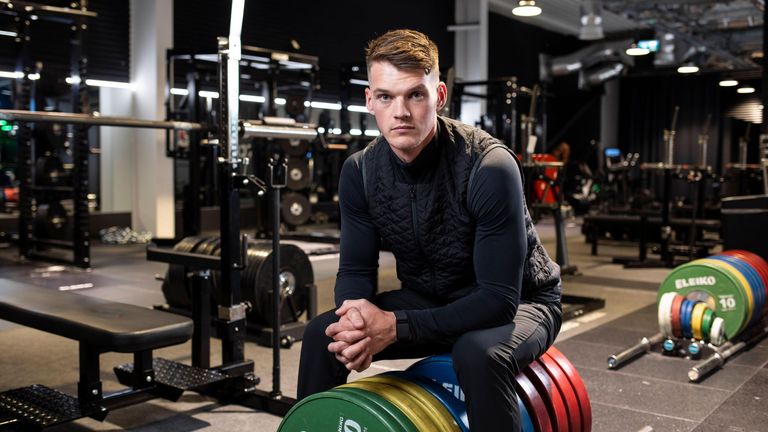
(362, 331)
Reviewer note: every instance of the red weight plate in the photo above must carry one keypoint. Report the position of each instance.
(677, 328)
(537, 409)
(756, 262)
(578, 386)
(558, 412)
(566, 391)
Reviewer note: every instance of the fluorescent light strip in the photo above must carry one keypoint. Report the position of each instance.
(280, 101)
(33, 76)
(208, 94)
(357, 108)
(4, 74)
(355, 132)
(372, 132)
(179, 91)
(111, 84)
(324, 105)
(252, 98)
(358, 82)
(8, 33)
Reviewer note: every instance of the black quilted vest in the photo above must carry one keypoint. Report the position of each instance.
(427, 224)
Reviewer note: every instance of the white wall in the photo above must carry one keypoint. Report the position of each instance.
(117, 152)
(151, 34)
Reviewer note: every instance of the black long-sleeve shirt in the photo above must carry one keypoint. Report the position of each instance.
(495, 200)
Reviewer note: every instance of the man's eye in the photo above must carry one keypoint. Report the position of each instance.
(383, 98)
(417, 95)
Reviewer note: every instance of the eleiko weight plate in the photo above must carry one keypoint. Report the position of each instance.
(566, 391)
(437, 411)
(379, 402)
(548, 391)
(578, 386)
(696, 317)
(534, 403)
(677, 329)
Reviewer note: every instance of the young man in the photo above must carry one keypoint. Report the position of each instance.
(448, 201)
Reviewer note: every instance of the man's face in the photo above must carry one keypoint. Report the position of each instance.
(405, 104)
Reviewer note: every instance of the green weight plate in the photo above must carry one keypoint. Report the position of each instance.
(331, 411)
(403, 420)
(706, 323)
(711, 284)
(743, 284)
(404, 402)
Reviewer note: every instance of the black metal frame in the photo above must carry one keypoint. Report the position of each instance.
(80, 243)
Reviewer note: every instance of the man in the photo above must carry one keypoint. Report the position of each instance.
(447, 199)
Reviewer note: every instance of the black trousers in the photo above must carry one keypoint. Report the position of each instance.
(485, 361)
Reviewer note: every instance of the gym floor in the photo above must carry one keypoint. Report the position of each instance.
(650, 394)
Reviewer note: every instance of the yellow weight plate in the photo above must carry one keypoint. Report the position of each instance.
(745, 287)
(696, 317)
(431, 404)
(418, 416)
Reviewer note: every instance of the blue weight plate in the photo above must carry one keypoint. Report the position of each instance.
(755, 284)
(685, 317)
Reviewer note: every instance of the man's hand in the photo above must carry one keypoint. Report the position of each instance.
(362, 331)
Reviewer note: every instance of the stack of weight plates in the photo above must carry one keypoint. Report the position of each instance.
(724, 293)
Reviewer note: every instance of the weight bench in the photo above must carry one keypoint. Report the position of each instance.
(99, 326)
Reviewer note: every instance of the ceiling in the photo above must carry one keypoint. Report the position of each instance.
(718, 35)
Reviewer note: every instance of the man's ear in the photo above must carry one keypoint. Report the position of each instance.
(442, 95)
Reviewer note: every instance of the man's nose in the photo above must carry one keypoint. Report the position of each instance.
(401, 110)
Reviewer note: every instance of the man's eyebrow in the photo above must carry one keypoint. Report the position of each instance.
(420, 86)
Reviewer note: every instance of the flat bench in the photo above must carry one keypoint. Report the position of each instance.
(99, 326)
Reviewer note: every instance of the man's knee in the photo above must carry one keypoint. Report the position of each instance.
(315, 330)
(474, 354)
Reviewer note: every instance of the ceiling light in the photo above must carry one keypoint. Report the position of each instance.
(688, 68)
(728, 83)
(635, 50)
(526, 8)
(745, 90)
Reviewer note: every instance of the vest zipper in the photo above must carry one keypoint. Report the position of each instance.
(417, 237)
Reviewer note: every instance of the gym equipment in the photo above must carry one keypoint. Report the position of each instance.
(53, 221)
(99, 326)
(713, 306)
(295, 209)
(49, 171)
(298, 174)
(427, 396)
(296, 276)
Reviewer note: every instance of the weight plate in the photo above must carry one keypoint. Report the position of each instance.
(386, 408)
(742, 285)
(439, 368)
(534, 403)
(453, 405)
(298, 174)
(526, 424)
(758, 264)
(685, 317)
(334, 410)
(565, 389)
(399, 399)
(664, 313)
(551, 396)
(696, 317)
(677, 329)
(578, 386)
(713, 285)
(753, 282)
(718, 332)
(53, 221)
(174, 286)
(429, 403)
(257, 282)
(294, 147)
(706, 323)
(295, 209)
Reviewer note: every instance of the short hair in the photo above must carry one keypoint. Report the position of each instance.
(404, 49)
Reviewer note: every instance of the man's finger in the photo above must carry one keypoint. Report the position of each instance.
(354, 350)
(350, 336)
(342, 310)
(337, 347)
(355, 318)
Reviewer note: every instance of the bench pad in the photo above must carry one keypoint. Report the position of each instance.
(103, 324)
